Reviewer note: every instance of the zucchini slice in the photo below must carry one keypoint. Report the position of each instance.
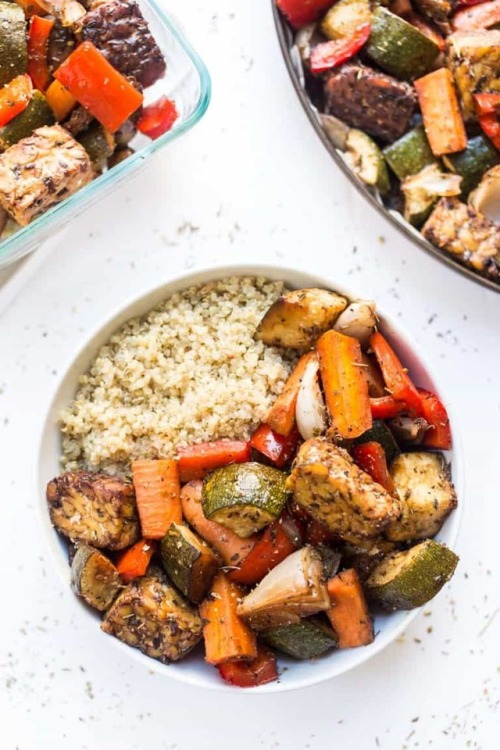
(99, 144)
(306, 639)
(94, 577)
(398, 47)
(409, 579)
(13, 42)
(423, 190)
(366, 160)
(426, 493)
(345, 18)
(472, 162)
(37, 114)
(409, 154)
(380, 433)
(244, 497)
(189, 562)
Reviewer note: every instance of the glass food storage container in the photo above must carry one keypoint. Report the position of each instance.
(186, 81)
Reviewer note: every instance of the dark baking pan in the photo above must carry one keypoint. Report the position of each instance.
(285, 36)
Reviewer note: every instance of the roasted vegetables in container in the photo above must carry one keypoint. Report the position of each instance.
(72, 82)
(286, 544)
(408, 93)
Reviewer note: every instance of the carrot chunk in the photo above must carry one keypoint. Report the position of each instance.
(227, 636)
(349, 614)
(443, 122)
(134, 562)
(345, 384)
(230, 547)
(157, 490)
(281, 416)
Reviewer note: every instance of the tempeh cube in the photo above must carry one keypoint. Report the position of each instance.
(40, 171)
(119, 30)
(468, 235)
(372, 101)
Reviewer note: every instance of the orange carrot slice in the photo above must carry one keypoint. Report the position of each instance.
(134, 562)
(345, 384)
(157, 490)
(281, 416)
(227, 636)
(349, 615)
(230, 547)
(443, 122)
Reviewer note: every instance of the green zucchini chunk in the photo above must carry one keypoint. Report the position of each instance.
(422, 482)
(94, 577)
(409, 579)
(99, 144)
(380, 433)
(189, 562)
(423, 190)
(409, 154)
(13, 42)
(472, 162)
(398, 47)
(306, 639)
(37, 114)
(244, 497)
(366, 161)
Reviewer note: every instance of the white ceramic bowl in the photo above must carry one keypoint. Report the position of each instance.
(193, 670)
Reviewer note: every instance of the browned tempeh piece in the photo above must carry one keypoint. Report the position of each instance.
(40, 171)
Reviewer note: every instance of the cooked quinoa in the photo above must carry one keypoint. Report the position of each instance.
(187, 372)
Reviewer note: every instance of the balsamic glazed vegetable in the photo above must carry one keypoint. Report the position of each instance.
(294, 539)
(83, 72)
(409, 95)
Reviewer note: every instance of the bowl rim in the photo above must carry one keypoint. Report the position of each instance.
(283, 33)
(145, 300)
(11, 248)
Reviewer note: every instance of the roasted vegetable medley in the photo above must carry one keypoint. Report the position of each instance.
(289, 542)
(408, 92)
(72, 78)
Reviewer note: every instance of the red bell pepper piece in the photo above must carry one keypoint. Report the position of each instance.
(301, 12)
(14, 98)
(99, 87)
(476, 18)
(280, 539)
(245, 674)
(328, 55)
(134, 562)
(317, 533)
(468, 3)
(370, 457)
(158, 118)
(386, 407)
(278, 449)
(196, 461)
(396, 377)
(490, 125)
(38, 47)
(439, 433)
(487, 104)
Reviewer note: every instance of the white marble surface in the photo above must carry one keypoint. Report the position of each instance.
(251, 183)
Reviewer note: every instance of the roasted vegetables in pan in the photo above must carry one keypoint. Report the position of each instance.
(409, 94)
(288, 543)
(71, 84)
